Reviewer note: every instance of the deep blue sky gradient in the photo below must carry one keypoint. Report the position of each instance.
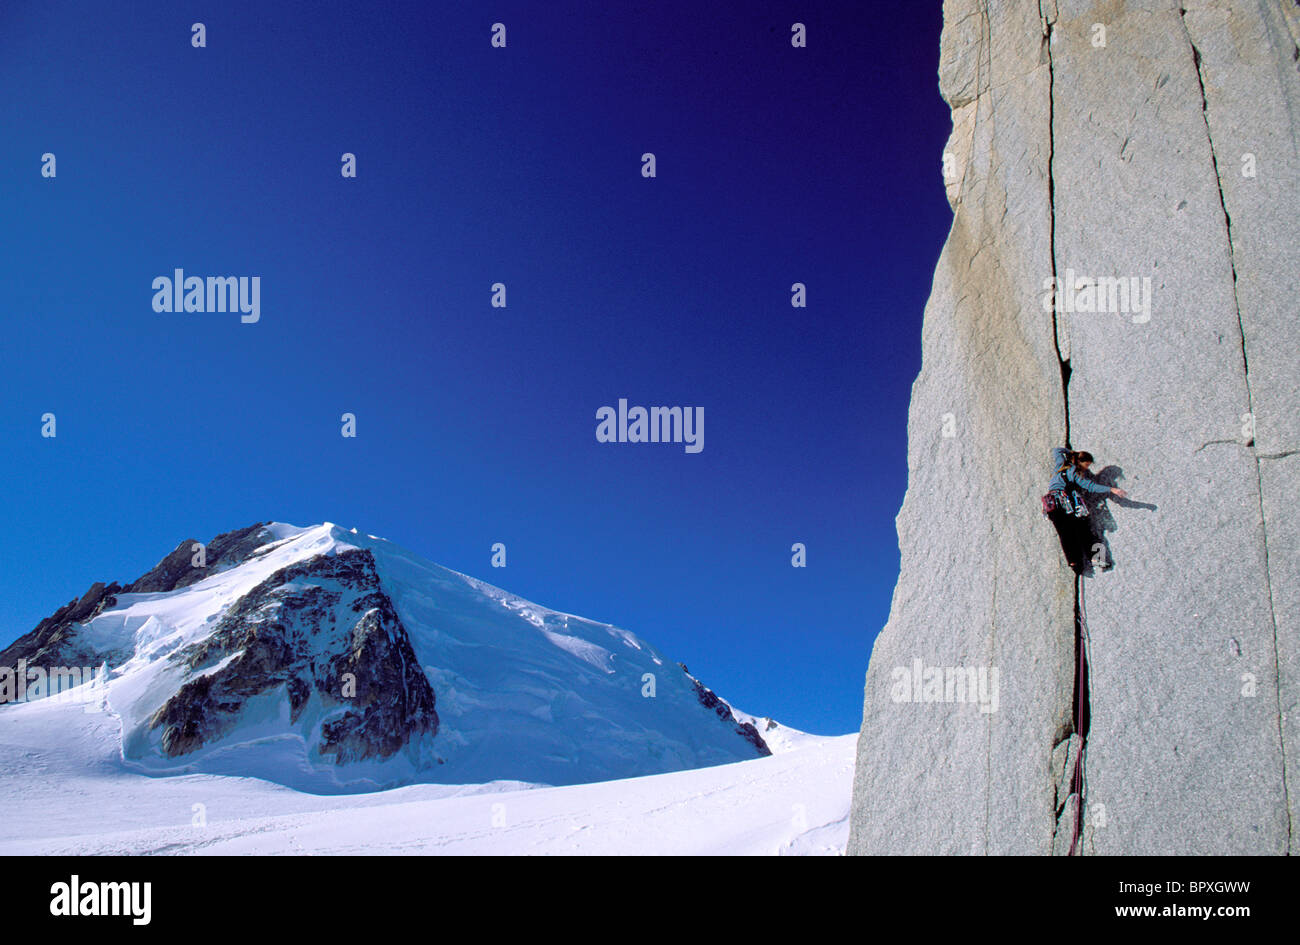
(477, 425)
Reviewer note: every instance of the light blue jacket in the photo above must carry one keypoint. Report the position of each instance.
(1062, 481)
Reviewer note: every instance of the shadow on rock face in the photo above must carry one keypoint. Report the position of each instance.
(1103, 522)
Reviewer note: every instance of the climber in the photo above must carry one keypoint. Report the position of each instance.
(1065, 506)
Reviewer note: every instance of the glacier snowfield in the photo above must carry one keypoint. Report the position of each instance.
(65, 790)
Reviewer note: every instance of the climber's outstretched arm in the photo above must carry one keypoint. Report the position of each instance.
(1087, 485)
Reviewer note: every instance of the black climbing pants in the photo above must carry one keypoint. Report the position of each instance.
(1076, 538)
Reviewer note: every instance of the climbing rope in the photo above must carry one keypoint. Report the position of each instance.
(1084, 665)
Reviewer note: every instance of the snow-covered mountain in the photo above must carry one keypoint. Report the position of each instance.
(330, 661)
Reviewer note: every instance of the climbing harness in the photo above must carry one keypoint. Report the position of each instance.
(1063, 500)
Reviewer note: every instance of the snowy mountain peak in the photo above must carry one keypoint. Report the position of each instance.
(325, 658)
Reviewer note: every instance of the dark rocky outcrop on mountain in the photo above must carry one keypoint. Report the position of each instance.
(322, 630)
(54, 640)
(177, 569)
(709, 699)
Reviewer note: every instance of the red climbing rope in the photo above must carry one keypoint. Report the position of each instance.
(1081, 667)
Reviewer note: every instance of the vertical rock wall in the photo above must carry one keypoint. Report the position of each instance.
(1103, 140)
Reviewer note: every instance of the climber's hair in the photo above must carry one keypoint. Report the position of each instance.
(1074, 458)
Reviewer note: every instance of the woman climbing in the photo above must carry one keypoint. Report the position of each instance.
(1066, 508)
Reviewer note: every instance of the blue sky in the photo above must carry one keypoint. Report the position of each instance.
(477, 425)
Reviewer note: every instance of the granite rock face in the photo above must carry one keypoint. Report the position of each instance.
(1121, 276)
